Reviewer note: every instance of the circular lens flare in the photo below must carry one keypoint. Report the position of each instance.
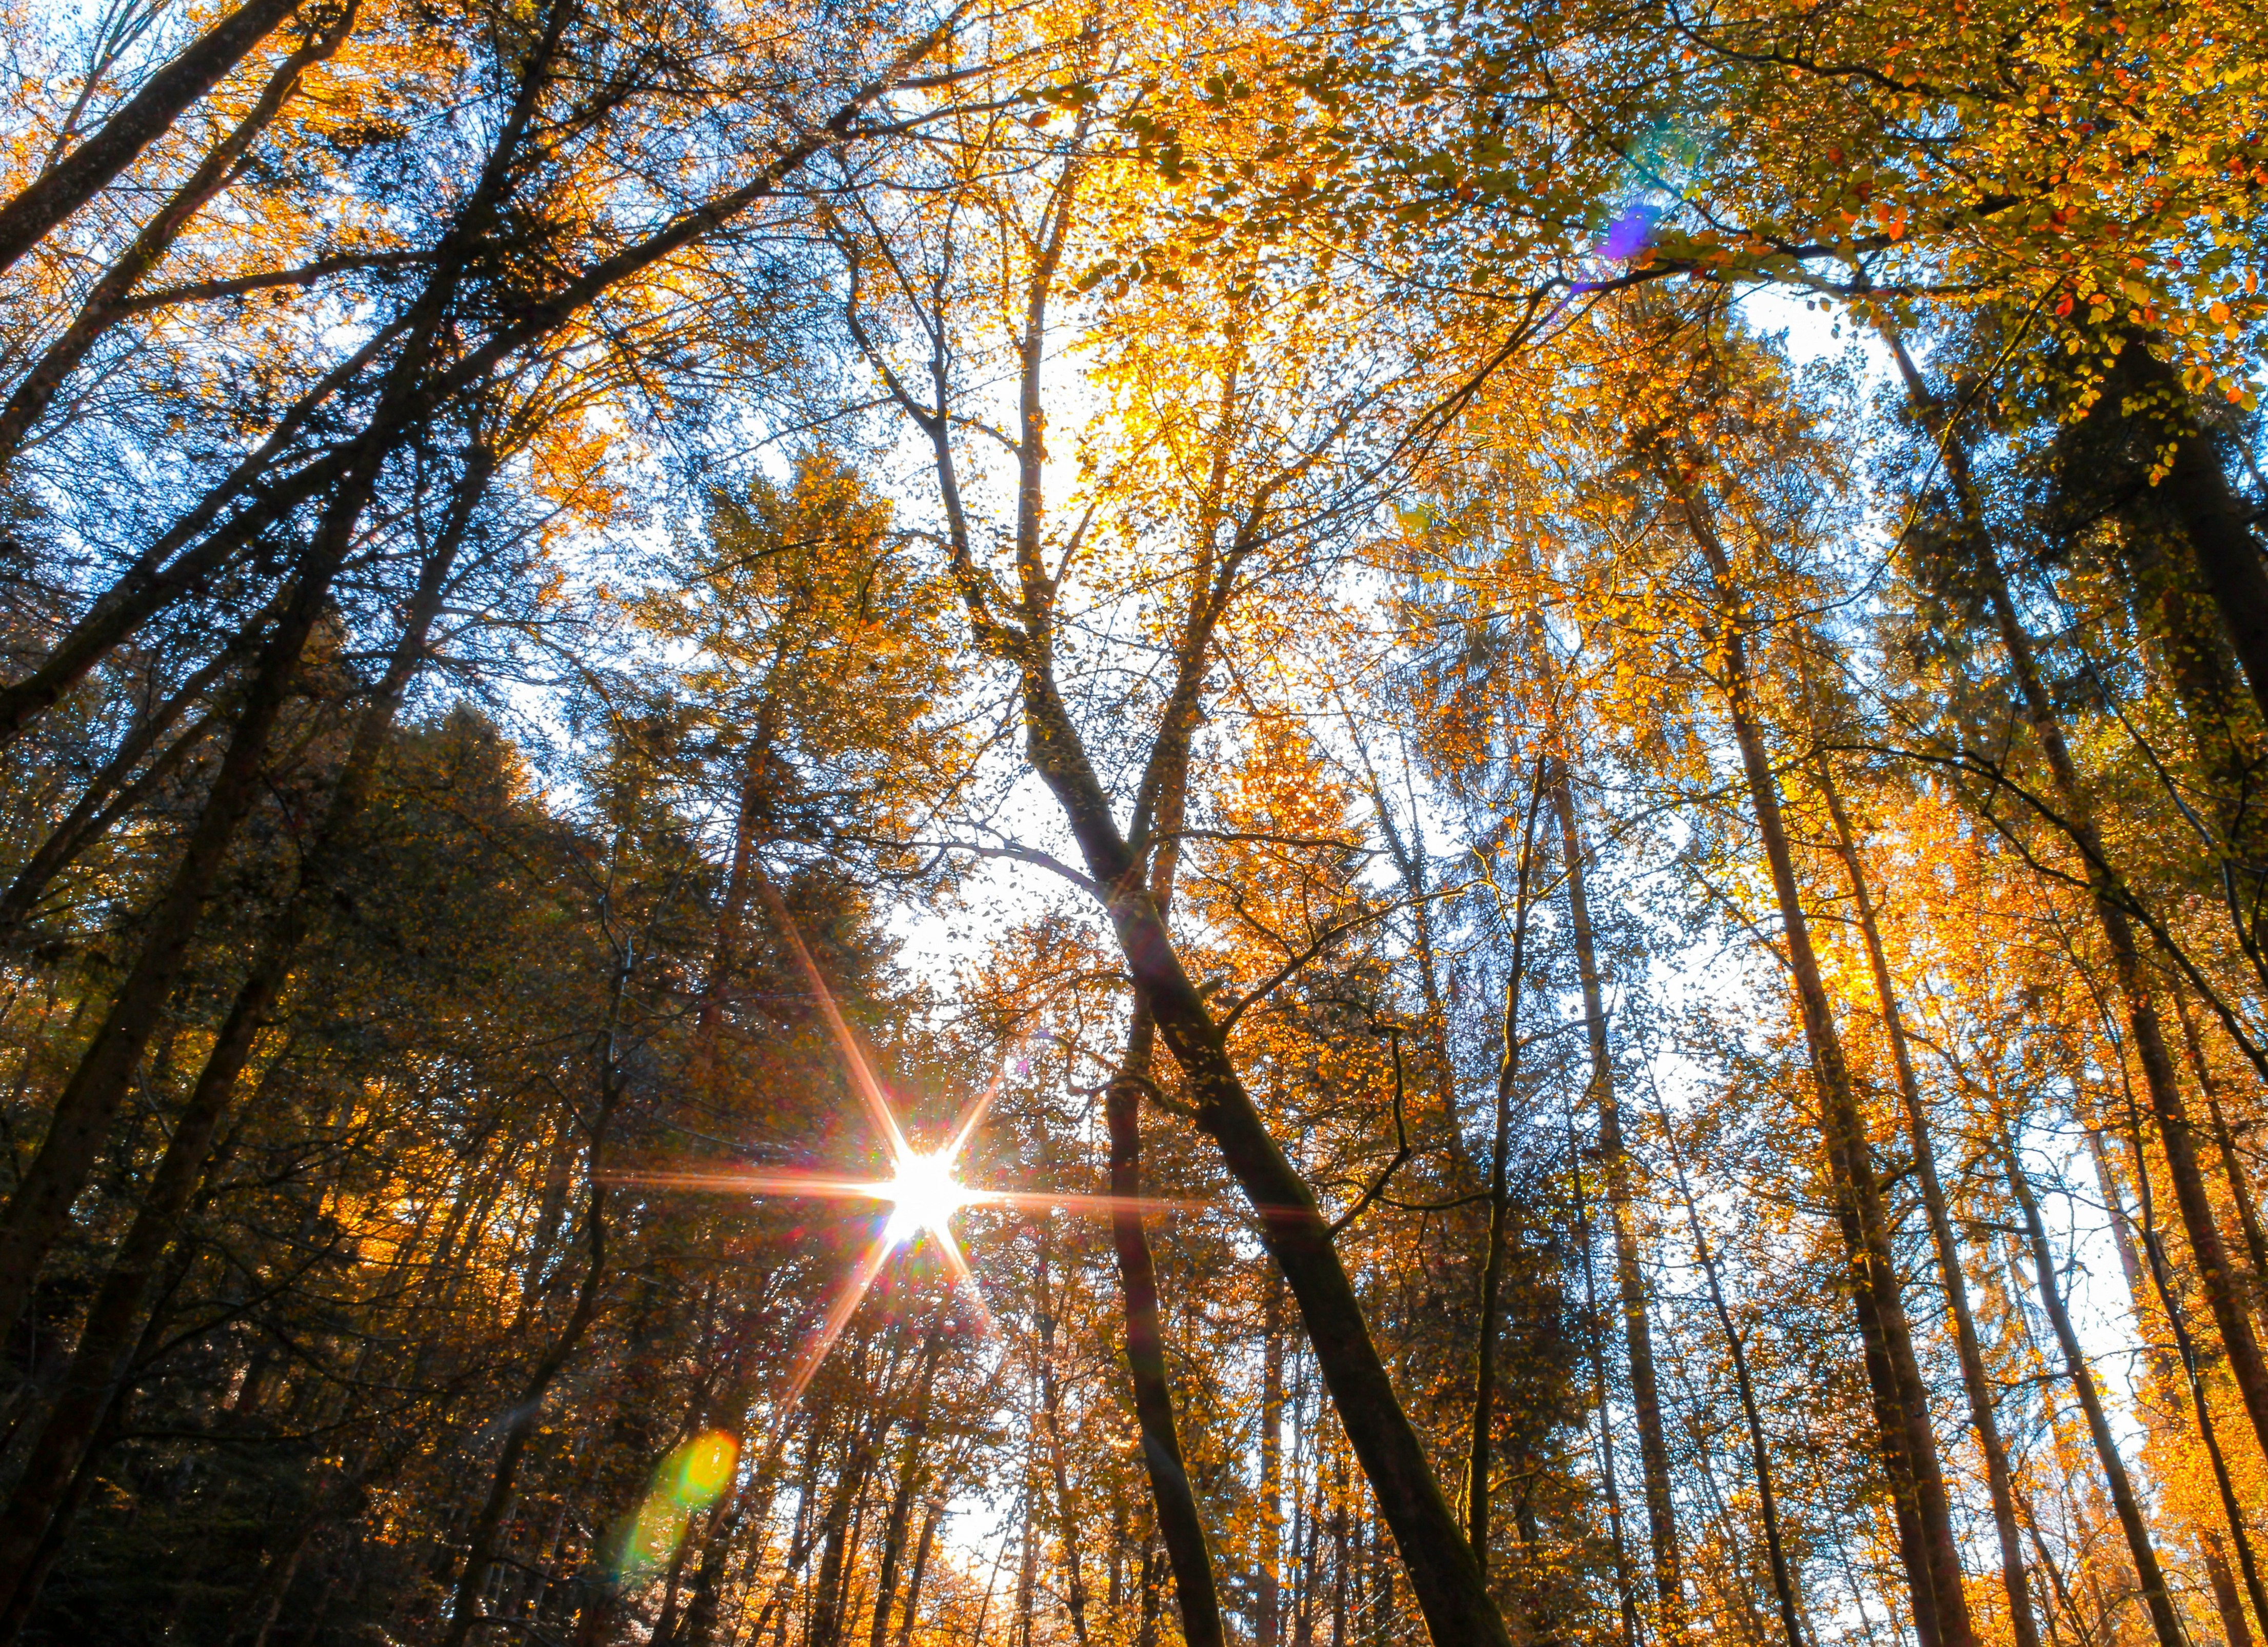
(923, 1196)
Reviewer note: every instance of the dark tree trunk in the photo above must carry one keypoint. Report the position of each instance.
(32, 214)
(1909, 1447)
(1492, 1266)
(113, 1321)
(2154, 1595)
(106, 303)
(1974, 1382)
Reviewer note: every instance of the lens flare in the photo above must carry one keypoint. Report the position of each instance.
(693, 1477)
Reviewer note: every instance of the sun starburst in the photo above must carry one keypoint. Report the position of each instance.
(923, 1193)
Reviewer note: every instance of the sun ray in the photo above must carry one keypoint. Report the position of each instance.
(964, 1278)
(839, 1312)
(1088, 1206)
(869, 1091)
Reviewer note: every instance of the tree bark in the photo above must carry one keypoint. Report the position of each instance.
(32, 214)
(1630, 1277)
(113, 1321)
(2024, 1627)
(1492, 1266)
(106, 303)
(2154, 1596)
(1909, 1447)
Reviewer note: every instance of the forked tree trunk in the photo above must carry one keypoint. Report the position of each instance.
(1974, 1382)
(1181, 1524)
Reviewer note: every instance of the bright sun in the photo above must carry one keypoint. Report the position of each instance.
(924, 1196)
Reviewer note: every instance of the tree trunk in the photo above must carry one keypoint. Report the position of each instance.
(1630, 1277)
(1181, 1524)
(1909, 1447)
(32, 214)
(2145, 1029)
(1267, 1582)
(2212, 516)
(105, 304)
(1974, 1381)
(36, 1214)
(2154, 1595)
(113, 1321)
(2185, 1356)
(527, 1411)
(2239, 1186)
(1759, 1453)
(1492, 1266)
(902, 1499)
(930, 1517)
(1051, 1408)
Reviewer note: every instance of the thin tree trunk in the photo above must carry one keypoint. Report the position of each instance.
(1492, 1267)
(527, 1409)
(2240, 1188)
(1910, 1448)
(1759, 1453)
(1974, 1381)
(1630, 1277)
(32, 214)
(1625, 1593)
(2154, 1595)
(1267, 1582)
(106, 303)
(1051, 1408)
(2186, 1355)
(113, 1321)
(902, 1499)
(2146, 1030)
(1181, 1524)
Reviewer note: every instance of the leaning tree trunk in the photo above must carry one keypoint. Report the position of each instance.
(61, 190)
(2154, 1595)
(1909, 1446)
(1975, 1381)
(1180, 1523)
